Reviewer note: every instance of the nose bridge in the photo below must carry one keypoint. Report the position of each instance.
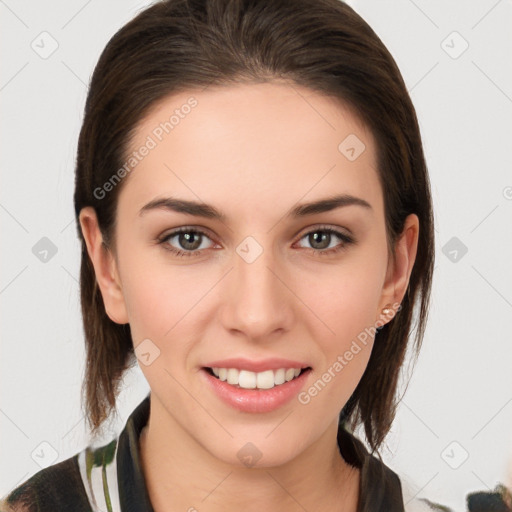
(256, 302)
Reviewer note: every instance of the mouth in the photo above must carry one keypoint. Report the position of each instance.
(263, 391)
(245, 379)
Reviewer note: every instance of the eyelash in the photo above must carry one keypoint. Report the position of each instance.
(346, 241)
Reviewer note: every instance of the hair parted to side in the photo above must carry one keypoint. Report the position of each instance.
(182, 45)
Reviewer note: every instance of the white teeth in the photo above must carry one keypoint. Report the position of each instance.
(247, 380)
(279, 376)
(252, 380)
(265, 380)
(233, 375)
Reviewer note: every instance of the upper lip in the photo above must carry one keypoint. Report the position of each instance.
(256, 366)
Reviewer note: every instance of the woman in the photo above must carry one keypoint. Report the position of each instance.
(256, 223)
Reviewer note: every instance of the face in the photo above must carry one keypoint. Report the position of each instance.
(255, 283)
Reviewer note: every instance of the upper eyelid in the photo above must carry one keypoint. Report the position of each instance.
(323, 227)
(188, 229)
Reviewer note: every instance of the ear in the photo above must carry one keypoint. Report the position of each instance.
(105, 267)
(400, 268)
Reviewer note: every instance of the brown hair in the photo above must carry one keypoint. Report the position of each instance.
(178, 45)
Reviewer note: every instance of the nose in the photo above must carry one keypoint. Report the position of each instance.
(257, 303)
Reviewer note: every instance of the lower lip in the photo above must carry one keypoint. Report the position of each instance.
(256, 400)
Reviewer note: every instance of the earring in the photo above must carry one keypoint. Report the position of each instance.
(387, 310)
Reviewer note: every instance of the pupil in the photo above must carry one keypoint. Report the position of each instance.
(323, 237)
(186, 240)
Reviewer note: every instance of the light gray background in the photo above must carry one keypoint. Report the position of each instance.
(461, 388)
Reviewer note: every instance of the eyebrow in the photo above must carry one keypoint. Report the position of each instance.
(198, 209)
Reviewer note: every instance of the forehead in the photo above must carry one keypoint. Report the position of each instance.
(252, 145)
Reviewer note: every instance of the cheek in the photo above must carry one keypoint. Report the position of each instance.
(345, 298)
(162, 299)
(160, 309)
(344, 336)
(157, 301)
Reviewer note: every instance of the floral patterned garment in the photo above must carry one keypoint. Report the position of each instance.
(110, 479)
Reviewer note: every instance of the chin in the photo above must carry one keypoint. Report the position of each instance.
(259, 451)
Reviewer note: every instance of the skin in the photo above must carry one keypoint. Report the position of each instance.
(253, 151)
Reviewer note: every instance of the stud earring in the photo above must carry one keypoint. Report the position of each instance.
(387, 310)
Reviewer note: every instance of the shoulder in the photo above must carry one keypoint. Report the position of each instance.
(52, 488)
(73, 484)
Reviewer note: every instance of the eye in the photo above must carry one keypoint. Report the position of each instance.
(185, 241)
(323, 241)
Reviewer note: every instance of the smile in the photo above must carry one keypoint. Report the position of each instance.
(255, 386)
(256, 380)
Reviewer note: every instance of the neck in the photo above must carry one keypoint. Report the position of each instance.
(183, 476)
